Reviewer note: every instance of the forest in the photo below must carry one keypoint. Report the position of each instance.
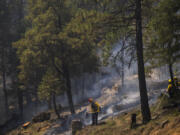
(53, 50)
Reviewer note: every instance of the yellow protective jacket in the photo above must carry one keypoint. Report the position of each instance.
(170, 87)
(95, 107)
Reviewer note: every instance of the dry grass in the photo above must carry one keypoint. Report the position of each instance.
(32, 129)
(121, 124)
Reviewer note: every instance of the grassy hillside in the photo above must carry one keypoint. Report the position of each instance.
(33, 129)
(164, 122)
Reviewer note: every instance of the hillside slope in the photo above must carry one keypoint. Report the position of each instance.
(165, 121)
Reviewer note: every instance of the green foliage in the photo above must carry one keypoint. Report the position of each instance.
(50, 84)
(162, 36)
(56, 39)
(33, 49)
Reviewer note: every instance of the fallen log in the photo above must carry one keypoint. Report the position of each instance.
(44, 116)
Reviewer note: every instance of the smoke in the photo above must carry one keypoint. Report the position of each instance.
(33, 109)
(106, 88)
(92, 85)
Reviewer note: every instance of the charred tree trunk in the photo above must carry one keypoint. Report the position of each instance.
(4, 82)
(141, 74)
(133, 120)
(54, 105)
(68, 87)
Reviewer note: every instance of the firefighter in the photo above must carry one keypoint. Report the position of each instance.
(177, 84)
(170, 89)
(95, 109)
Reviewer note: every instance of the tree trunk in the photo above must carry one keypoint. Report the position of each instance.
(122, 74)
(54, 105)
(171, 74)
(20, 102)
(68, 88)
(50, 103)
(5, 93)
(141, 74)
(4, 82)
(122, 70)
(66, 77)
(65, 72)
(28, 97)
(83, 85)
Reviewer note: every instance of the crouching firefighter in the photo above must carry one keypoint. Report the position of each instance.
(95, 109)
(170, 89)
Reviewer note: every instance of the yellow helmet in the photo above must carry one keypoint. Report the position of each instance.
(175, 78)
(169, 81)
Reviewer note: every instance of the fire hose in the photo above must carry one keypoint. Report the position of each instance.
(164, 94)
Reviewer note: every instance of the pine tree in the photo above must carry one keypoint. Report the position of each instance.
(141, 74)
(4, 46)
(50, 87)
(126, 17)
(52, 42)
(162, 36)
